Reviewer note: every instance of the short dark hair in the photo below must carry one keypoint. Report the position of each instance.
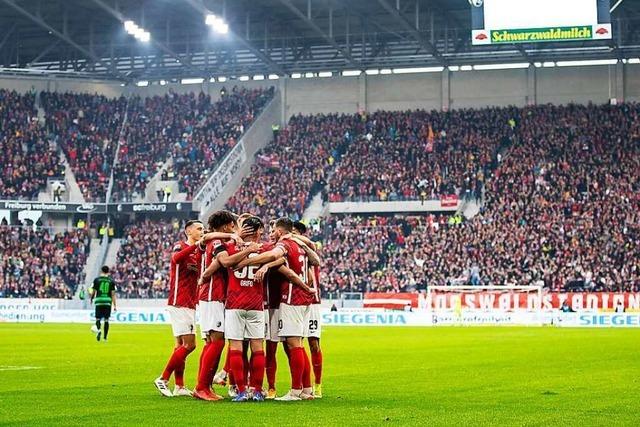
(191, 222)
(285, 223)
(221, 218)
(254, 223)
(300, 227)
(105, 269)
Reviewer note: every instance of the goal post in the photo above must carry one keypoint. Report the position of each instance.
(488, 305)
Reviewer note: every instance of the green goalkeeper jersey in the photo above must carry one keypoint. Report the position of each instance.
(102, 288)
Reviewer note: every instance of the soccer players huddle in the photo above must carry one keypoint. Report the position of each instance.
(247, 290)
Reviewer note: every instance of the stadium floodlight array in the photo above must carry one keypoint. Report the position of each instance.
(136, 31)
(217, 23)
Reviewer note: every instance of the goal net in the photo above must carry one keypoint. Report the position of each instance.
(485, 305)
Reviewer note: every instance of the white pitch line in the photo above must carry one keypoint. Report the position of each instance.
(18, 368)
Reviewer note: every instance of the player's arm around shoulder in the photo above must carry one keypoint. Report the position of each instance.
(181, 253)
(292, 277)
(208, 272)
(262, 271)
(263, 258)
(314, 259)
(232, 260)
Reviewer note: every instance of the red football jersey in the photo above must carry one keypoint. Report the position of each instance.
(185, 271)
(215, 288)
(243, 291)
(298, 262)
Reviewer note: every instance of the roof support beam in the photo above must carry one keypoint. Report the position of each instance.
(163, 47)
(7, 34)
(22, 11)
(314, 27)
(425, 44)
(273, 65)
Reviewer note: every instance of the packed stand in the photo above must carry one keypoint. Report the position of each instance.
(87, 128)
(40, 263)
(213, 132)
(562, 211)
(420, 155)
(296, 165)
(191, 129)
(142, 268)
(28, 157)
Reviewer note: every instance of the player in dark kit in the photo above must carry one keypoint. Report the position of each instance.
(103, 293)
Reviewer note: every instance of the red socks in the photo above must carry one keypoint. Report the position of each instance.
(209, 361)
(245, 362)
(237, 367)
(201, 364)
(272, 364)
(257, 370)
(296, 366)
(179, 374)
(176, 364)
(306, 372)
(227, 367)
(316, 361)
(216, 350)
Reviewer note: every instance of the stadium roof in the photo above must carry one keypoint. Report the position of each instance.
(86, 38)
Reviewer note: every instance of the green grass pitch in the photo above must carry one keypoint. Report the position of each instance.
(373, 376)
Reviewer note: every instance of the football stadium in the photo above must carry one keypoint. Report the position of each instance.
(319, 212)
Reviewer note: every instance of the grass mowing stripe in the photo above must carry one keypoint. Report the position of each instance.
(399, 376)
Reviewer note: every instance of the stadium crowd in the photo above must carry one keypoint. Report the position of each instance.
(414, 155)
(28, 157)
(191, 129)
(87, 128)
(296, 165)
(561, 188)
(40, 263)
(142, 268)
(562, 210)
